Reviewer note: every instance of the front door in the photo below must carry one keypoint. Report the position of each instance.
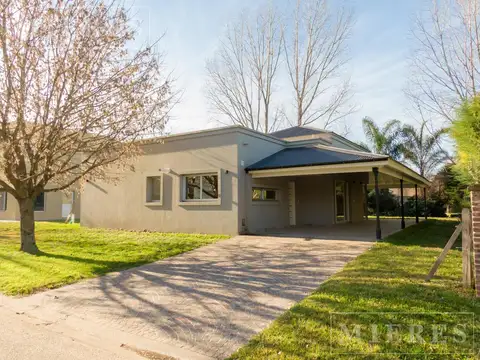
(341, 211)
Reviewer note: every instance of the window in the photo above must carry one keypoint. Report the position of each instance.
(154, 189)
(260, 194)
(39, 204)
(3, 200)
(201, 187)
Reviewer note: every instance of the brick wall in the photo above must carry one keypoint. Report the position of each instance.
(475, 199)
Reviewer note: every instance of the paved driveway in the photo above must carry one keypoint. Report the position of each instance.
(202, 304)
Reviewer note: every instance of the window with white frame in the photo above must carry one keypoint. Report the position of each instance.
(200, 187)
(3, 200)
(263, 194)
(154, 189)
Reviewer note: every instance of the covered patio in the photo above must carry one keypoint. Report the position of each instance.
(351, 174)
(360, 231)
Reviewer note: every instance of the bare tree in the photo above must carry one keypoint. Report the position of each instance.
(242, 73)
(75, 99)
(447, 58)
(315, 57)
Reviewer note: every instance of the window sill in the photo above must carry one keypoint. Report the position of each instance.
(154, 203)
(200, 202)
(265, 202)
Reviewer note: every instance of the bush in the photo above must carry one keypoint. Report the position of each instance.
(389, 203)
(466, 133)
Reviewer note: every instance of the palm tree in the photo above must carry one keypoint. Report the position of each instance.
(421, 148)
(384, 140)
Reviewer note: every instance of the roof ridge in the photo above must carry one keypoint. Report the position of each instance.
(348, 151)
(315, 128)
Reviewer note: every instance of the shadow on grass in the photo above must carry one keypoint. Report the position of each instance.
(430, 233)
(313, 322)
(101, 266)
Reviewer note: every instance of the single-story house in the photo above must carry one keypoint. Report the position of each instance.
(234, 180)
(55, 205)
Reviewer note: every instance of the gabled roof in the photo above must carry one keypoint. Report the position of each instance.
(311, 156)
(297, 131)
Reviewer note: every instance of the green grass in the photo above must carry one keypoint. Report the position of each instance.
(388, 279)
(70, 253)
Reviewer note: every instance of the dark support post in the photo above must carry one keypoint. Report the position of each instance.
(402, 209)
(365, 189)
(425, 202)
(416, 204)
(377, 202)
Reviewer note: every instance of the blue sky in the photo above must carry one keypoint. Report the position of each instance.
(379, 49)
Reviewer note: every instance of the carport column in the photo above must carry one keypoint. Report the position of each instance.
(377, 203)
(365, 189)
(425, 202)
(416, 203)
(402, 210)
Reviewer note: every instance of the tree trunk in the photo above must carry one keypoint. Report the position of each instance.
(27, 226)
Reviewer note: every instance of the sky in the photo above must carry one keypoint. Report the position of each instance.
(379, 49)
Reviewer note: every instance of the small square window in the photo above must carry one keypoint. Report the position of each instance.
(260, 194)
(3, 200)
(39, 204)
(270, 195)
(154, 189)
(257, 194)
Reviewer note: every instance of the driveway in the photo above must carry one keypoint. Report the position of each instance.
(203, 304)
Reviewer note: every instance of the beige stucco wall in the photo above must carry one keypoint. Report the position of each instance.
(53, 208)
(314, 200)
(268, 214)
(11, 213)
(122, 205)
(250, 150)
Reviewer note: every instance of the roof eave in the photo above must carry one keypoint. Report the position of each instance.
(249, 169)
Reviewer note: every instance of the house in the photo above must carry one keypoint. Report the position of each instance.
(235, 180)
(48, 206)
(410, 192)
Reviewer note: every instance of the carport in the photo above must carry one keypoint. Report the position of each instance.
(372, 170)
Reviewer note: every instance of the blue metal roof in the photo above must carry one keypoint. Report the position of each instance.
(311, 156)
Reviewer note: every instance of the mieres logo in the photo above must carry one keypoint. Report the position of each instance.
(400, 333)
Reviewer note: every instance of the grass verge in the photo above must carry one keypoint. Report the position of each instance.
(383, 286)
(70, 253)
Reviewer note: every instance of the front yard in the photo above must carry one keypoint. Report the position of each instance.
(70, 253)
(383, 286)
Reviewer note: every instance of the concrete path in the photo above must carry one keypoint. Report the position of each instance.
(203, 304)
(24, 338)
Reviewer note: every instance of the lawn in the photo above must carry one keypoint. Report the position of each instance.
(70, 253)
(452, 218)
(383, 286)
